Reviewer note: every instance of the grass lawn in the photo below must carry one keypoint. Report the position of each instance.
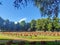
(49, 39)
(37, 43)
(30, 38)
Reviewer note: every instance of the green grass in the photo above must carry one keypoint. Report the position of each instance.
(30, 38)
(3, 37)
(39, 43)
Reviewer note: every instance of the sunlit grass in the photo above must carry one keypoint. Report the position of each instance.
(30, 38)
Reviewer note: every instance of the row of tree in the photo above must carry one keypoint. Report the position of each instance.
(43, 24)
(6, 25)
(46, 24)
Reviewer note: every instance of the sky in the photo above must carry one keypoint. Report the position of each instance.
(8, 11)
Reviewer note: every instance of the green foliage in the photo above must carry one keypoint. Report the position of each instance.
(22, 23)
(48, 7)
(38, 24)
(47, 24)
(33, 25)
(49, 27)
(43, 24)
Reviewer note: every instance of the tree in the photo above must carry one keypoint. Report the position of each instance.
(1, 23)
(11, 26)
(49, 26)
(27, 27)
(18, 3)
(56, 24)
(23, 23)
(17, 27)
(6, 25)
(38, 25)
(33, 25)
(48, 7)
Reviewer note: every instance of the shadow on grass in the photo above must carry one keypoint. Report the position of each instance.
(12, 42)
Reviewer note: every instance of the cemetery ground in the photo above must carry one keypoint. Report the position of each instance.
(30, 38)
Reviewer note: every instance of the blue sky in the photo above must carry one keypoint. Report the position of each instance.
(7, 11)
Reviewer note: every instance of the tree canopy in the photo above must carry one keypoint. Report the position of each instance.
(47, 7)
(50, 8)
(43, 24)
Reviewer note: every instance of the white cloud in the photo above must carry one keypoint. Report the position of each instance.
(15, 22)
(23, 19)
